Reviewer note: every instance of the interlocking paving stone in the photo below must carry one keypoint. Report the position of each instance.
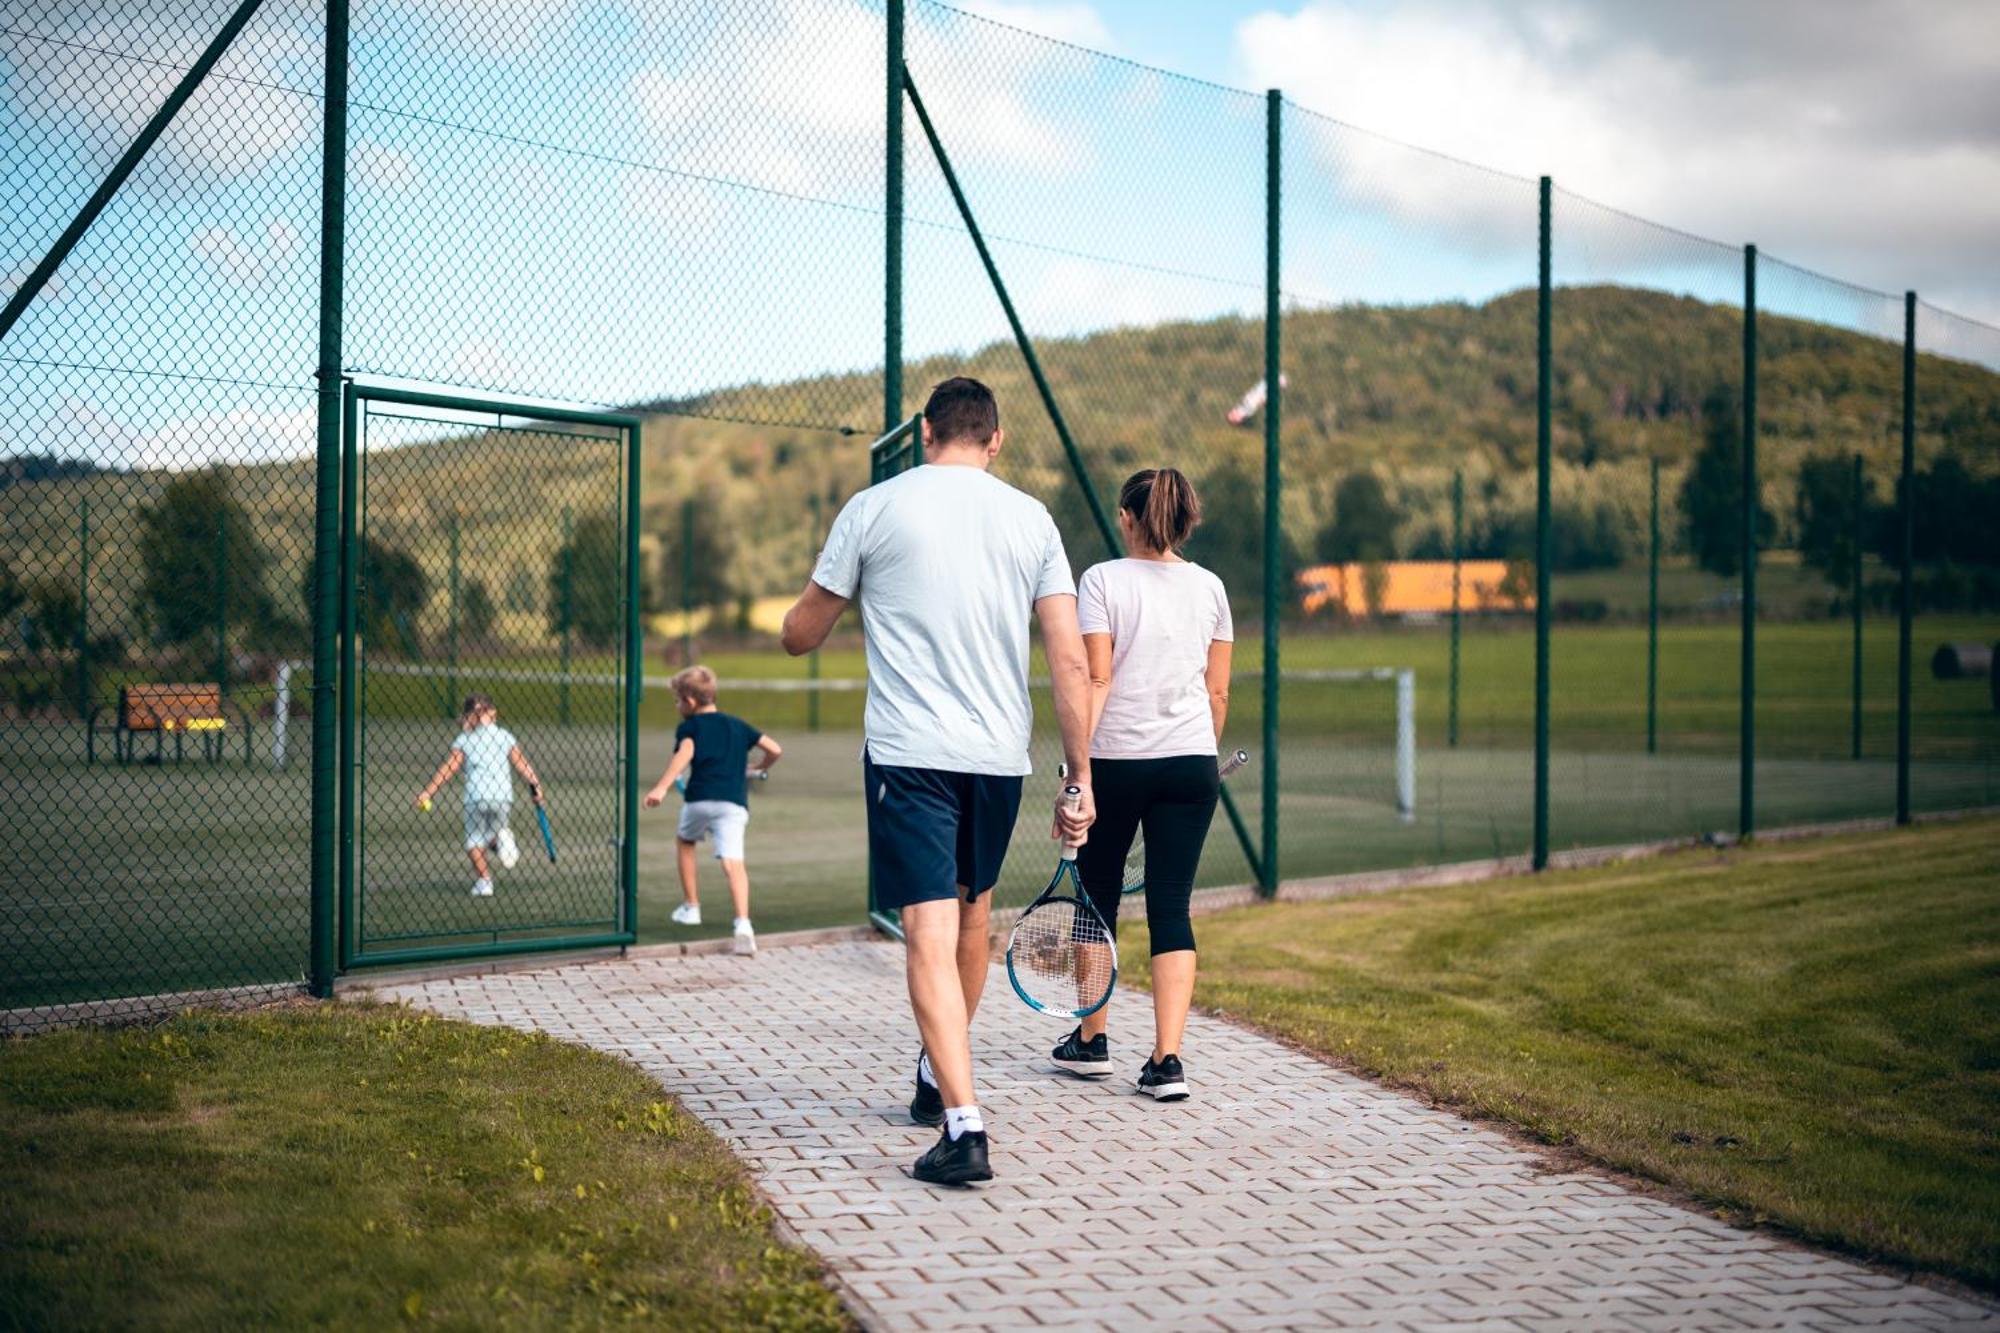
(1284, 1194)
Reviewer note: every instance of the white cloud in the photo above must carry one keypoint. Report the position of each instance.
(247, 261)
(794, 102)
(1868, 147)
(233, 126)
(1079, 25)
(389, 170)
(240, 435)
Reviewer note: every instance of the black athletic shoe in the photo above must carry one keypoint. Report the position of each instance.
(1162, 1080)
(955, 1161)
(927, 1107)
(1085, 1059)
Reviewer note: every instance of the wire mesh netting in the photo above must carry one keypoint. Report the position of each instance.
(1955, 564)
(1646, 424)
(678, 211)
(1408, 414)
(156, 507)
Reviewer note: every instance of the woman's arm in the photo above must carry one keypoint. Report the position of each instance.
(1097, 653)
(1219, 655)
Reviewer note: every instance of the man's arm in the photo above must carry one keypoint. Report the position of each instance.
(1069, 675)
(811, 619)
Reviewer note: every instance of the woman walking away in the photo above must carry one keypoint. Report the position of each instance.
(1157, 633)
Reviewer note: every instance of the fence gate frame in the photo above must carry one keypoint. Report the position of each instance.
(355, 399)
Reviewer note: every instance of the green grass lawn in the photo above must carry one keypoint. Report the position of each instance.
(365, 1167)
(1805, 1033)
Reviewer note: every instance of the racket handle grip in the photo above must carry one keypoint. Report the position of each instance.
(1072, 799)
(1234, 762)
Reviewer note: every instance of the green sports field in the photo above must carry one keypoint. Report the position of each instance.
(147, 879)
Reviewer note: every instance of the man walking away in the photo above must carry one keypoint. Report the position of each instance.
(948, 561)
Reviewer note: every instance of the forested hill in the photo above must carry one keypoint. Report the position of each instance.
(1405, 394)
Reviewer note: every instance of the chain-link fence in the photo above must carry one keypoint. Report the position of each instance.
(1512, 612)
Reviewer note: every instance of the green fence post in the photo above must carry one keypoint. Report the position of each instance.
(812, 659)
(451, 624)
(687, 582)
(567, 598)
(222, 600)
(1457, 558)
(1746, 786)
(83, 609)
(1854, 539)
(1274, 104)
(635, 663)
(1653, 615)
(892, 223)
(346, 676)
(1907, 520)
(328, 564)
(1539, 856)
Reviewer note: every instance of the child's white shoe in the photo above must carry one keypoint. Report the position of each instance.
(687, 914)
(746, 938)
(510, 853)
(482, 888)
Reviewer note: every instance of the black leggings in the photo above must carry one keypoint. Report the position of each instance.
(1174, 801)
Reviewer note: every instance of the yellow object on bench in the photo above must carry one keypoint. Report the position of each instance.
(171, 708)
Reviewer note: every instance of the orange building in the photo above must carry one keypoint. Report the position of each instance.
(1414, 588)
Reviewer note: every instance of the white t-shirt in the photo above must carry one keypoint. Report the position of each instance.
(1161, 616)
(489, 776)
(948, 563)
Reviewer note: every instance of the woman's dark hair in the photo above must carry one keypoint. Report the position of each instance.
(476, 703)
(1163, 504)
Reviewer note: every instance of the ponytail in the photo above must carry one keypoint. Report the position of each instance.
(1163, 507)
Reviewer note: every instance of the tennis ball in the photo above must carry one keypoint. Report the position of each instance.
(424, 804)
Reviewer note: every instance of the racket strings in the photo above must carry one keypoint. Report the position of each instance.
(1063, 956)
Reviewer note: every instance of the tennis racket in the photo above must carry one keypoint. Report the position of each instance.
(1135, 860)
(1061, 958)
(548, 834)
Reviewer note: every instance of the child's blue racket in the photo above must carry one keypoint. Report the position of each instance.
(548, 834)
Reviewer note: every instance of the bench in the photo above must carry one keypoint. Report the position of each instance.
(179, 711)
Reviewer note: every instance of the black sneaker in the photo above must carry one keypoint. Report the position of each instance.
(955, 1161)
(1085, 1059)
(1162, 1079)
(927, 1107)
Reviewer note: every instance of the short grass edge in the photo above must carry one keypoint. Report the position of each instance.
(363, 1165)
(1801, 1035)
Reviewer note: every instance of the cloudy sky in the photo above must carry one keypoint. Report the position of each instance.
(1858, 137)
(615, 201)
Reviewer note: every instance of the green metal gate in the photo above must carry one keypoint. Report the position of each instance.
(488, 547)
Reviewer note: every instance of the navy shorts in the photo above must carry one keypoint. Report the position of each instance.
(930, 831)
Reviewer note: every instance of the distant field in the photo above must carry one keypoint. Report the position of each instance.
(121, 880)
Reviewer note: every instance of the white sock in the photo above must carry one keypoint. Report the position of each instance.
(963, 1120)
(924, 1069)
(742, 923)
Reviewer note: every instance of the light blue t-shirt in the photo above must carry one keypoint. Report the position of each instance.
(489, 779)
(948, 563)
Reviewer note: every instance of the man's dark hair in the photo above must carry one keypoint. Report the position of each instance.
(962, 410)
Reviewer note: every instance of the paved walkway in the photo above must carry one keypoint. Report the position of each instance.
(1284, 1195)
